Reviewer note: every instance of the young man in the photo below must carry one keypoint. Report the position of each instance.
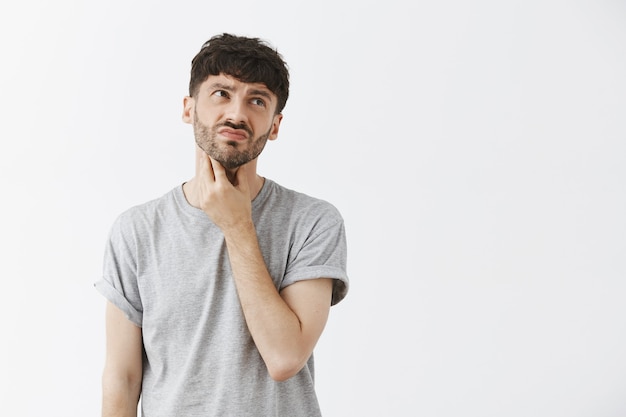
(219, 290)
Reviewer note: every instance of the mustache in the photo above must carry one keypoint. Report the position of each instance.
(240, 126)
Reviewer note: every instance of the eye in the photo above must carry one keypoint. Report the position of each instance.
(220, 93)
(258, 102)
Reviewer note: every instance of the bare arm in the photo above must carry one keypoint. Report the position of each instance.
(121, 379)
(285, 326)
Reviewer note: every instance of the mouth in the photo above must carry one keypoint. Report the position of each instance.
(233, 134)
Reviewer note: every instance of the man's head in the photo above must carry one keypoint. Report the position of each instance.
(238, 89)
(249, 60)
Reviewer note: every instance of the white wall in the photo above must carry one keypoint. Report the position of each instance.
(476, 150)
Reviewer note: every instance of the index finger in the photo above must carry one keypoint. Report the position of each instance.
(217, 169)
(204, 168)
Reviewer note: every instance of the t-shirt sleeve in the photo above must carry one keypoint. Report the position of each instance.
(323, 255)
(119, 278)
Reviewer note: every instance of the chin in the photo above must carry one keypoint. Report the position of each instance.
(227, 163)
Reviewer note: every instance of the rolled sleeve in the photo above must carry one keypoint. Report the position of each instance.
(323, 255)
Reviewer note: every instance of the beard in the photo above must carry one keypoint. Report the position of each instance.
(229, 153)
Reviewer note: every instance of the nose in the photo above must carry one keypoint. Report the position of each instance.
(236, 111)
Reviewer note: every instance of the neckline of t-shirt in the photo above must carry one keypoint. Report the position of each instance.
(181, 200)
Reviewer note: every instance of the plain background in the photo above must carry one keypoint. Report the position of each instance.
(477, 150)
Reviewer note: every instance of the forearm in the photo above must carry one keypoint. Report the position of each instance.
(274, 326)
(120, 396)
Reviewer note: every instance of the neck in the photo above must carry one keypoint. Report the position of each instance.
(255, 183)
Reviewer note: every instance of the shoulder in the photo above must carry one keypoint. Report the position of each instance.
(145, 214)
(302, 205)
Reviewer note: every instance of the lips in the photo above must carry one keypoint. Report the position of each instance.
(233, 134)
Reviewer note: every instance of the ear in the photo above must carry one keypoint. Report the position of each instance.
(275, 126)
(188, 109)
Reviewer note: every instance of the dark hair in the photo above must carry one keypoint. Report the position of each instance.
(250, 60)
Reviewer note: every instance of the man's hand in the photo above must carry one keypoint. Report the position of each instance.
(225, 200)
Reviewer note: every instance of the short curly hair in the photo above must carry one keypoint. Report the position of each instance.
(250, 60)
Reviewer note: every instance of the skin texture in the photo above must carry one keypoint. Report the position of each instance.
(232, 122)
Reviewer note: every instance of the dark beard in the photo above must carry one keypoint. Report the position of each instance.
(231, 157)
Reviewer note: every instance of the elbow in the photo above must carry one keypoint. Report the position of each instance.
(281, 375)
(283, 368)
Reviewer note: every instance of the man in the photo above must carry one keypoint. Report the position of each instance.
(219, 290)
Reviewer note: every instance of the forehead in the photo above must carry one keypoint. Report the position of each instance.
(230, 83)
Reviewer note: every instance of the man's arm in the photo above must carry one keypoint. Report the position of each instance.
(286, 326)
(121, 379)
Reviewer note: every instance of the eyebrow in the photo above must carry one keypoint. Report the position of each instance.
(253, 92)
(262, 93)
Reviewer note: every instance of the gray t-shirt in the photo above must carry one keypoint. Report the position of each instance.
(166, 267)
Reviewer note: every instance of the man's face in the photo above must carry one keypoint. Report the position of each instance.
(232, 120)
